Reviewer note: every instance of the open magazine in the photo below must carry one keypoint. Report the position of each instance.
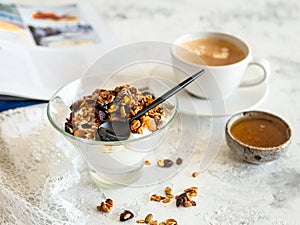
(43, 47)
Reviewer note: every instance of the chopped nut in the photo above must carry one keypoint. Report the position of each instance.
(109, 202)
(165, 163)
(168, 190)
(126, 99)
(160, 163)
(80, 133)
(140, 221)
(135, 125)
(195, 174)
(148, 218)
(168, 163)
(170, 196)
(106, 206)
(156, 198)
(126, 215)
(191, 188)
(147, 163)
(166, 200)
(171, 222)
(122, 112)
(179, 161)
(183, 200)
(153, 222)
(112, 109)
(189, 203)
(180, 199)
(162, 223)
(191, 192)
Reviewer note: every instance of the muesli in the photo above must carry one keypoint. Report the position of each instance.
(121, 103)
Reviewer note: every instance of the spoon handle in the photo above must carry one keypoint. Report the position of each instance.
(167, 95)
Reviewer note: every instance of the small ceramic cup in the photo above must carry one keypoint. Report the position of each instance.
(218, 81)
(251, 153)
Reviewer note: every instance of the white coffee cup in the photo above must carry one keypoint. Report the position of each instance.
(218, 81)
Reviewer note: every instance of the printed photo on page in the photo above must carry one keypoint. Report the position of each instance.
(60, 36)
(10, 19)
(37, 15)
(58, 26)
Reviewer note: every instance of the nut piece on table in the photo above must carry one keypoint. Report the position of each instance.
(106, 206)
(171, 222)
(168, 192)
(126, 215)
(195, 174)
(191, 192)
(166, 200)
(165, 163)
(179, 161)
(147, 163)
(156, 198)
(148, 218)
(153, 222)
(184, 200)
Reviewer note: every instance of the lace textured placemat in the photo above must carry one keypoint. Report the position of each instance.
(43, 179)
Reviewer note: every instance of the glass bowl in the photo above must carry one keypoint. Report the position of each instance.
(112, 162)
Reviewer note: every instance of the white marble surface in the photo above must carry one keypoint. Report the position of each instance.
(230, 191)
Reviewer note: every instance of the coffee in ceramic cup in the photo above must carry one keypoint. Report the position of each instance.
(214, 52)
(225, 59)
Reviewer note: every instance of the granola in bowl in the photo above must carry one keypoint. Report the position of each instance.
(121, 103)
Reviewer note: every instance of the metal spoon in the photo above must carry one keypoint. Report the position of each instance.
(120, 130)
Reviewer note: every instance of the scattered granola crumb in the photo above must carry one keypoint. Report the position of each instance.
(126, 215)
(153, 222)
(171, 222)
(165, 163)
(166, 200)
(148, 218)
(191, 192)
(195, 174)
(184, 200)
(106, 206)
(156, 198)
(160, 163)
(191, 188)
(168, 163)
(179, 161)
(168, 192)
(147, 163)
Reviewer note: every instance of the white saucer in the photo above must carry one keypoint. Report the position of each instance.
(240, 100)
(243, 98)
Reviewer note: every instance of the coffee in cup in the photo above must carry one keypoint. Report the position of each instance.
(214, 52)
(225, 59)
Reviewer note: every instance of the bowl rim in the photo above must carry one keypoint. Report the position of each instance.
(106, 143)
(244, 114)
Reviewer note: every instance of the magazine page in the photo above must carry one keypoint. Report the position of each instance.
(47, 46)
